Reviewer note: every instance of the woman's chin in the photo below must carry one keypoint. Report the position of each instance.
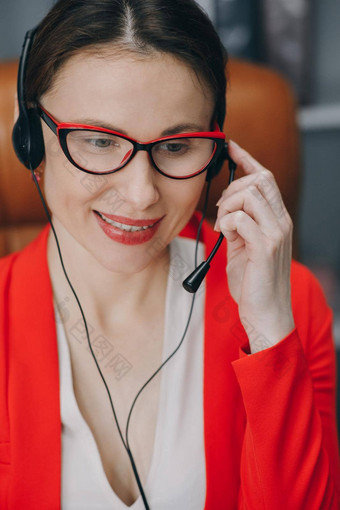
(129, 260)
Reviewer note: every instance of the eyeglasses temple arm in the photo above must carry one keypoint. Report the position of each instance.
(51, 124)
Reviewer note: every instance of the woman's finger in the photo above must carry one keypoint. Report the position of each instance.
(260, 177)
(265, 209)
(239, 223)
(243, 159)
(253, 203)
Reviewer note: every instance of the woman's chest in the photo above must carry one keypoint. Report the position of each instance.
(137, 418)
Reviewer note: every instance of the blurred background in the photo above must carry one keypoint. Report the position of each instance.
(301, 40)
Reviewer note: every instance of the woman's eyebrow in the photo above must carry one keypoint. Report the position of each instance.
(96, 123)
(180, 128)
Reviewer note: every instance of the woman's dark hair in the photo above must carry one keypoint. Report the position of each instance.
(176, 27)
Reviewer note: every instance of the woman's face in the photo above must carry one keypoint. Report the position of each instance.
(144, 98)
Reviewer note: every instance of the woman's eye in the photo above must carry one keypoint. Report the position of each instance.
(101, 143)
(173, 148)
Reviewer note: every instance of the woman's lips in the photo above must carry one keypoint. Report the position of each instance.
(147, 227)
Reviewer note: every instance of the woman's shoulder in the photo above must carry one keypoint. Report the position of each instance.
(6, 266)
(23, 261)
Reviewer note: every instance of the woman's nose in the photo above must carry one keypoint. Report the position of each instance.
(136, 182)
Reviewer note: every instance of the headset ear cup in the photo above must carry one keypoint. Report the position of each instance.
(37, 147)
(20, 136)
(28, 141)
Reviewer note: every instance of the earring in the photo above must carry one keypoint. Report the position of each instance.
(37, 173)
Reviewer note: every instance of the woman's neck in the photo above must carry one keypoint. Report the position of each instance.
(100, 291)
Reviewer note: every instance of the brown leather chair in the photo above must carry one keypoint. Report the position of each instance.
(260, 117)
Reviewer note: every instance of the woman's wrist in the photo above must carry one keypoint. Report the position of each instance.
(267, 332)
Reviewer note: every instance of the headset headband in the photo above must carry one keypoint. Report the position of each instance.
(27, 134)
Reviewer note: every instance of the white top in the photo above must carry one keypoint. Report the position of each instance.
(177, 472)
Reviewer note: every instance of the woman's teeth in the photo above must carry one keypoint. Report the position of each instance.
(122, 226)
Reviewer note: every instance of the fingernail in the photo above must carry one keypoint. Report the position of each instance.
(234, 143)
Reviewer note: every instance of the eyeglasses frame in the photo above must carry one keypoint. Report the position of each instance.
(62, 129)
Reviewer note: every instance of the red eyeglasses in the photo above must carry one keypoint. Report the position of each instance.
(102, 151)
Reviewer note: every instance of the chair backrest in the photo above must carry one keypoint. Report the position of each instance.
(261, 117)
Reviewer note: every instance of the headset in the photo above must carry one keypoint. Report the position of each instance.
(27, 137)
(28, 143)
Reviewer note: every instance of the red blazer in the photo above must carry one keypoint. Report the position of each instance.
(269, 418)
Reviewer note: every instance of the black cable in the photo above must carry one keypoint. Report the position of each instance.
(126, 445)
(221, 236)
(89, 343)
(204, 212)
(193, 281)
(187, 324)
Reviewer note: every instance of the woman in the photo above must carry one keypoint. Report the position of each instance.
(242, 414)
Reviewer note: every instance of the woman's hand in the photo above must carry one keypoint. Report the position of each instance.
(258, 229)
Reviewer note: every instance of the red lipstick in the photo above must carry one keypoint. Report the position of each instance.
(118, 234)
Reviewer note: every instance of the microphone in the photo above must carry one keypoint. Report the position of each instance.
(194, 280)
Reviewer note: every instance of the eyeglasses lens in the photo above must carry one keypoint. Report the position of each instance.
(97, 151)
(103, 152)
(183, 156)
